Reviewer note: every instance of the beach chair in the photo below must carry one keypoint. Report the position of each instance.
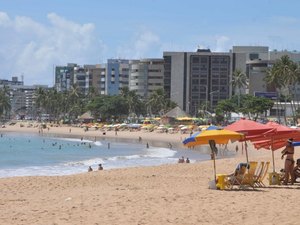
(237, 176)
(258, 173)
(259, 181)
(249, 177)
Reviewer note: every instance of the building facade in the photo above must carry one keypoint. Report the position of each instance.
(198, 79)
(22, 98)
(146, 76)
(117, 75)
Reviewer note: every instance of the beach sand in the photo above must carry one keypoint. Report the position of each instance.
(167, 194)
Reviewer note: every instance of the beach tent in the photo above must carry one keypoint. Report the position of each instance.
(176, 113)
(86, 117)
(173, 114)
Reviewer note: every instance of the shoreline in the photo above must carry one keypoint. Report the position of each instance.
(152, 138)
(167, 194)
(123, 137)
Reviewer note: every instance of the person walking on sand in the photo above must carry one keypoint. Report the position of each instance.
(289, 161)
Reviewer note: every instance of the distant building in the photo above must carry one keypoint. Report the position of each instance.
(146, 76)
(13, 81)
(117, 75)
(195, 79)
(64, 77)
(22, 98)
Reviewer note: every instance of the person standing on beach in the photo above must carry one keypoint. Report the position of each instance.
(289, 161)
(90, 169)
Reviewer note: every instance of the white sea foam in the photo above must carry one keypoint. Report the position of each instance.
(160, 152)
(98, 143)
(88, 162)
(73, 140)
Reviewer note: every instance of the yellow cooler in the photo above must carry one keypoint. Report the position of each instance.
(274, 178)
(221, 184)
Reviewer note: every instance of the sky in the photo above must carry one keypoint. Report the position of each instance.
(37, 35)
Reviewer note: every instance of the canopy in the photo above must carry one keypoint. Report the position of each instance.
(176, 112)
(219, 136)
(86, 116)
(248, 127)
(277, 139)
(191, 141)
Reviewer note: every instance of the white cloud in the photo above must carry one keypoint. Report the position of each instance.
(4, 19)
(143, 45)
(221, 43)
(31, 48)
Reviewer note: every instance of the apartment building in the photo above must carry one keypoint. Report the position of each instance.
(117, 75)
(195, 79)
(22, 97)
(146, 75)
(254, 61)
(64, 77)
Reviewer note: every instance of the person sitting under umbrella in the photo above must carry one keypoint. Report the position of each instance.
(296, 171)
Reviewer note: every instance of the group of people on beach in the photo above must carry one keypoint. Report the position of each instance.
(291, 172)
(182, 160)
(100, 167)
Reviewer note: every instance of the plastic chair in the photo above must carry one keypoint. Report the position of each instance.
(258, 173)
(259, 180)
(237, 177)
(249, 177)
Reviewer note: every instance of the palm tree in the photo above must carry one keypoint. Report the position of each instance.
(40, 98)
(239, 81)
(157, 101)
(284, 75)
(5, 105)
(132, 100)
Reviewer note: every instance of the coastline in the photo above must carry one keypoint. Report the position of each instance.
(167, 194)
(152, 138)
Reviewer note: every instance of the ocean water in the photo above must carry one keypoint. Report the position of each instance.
(34, 155)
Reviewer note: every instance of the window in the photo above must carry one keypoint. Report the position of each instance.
(253, 56)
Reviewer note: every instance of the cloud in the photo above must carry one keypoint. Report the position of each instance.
(143, 45)
(31, 48)
(221, 43)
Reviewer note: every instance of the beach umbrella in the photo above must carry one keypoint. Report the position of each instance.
(250, 129)
(191, 141)
(213, 137)
(276, 139)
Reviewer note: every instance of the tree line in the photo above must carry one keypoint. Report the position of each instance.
(283, 76)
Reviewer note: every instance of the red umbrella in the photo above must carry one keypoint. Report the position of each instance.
(250, 129)
(277, 139)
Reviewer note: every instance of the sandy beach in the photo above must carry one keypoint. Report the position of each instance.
(167, 194)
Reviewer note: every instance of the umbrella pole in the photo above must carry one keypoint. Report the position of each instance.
(246, 150)
(273, 161)
(214, 161)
